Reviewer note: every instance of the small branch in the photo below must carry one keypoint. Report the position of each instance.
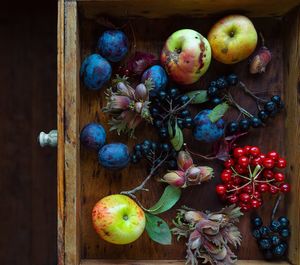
(276, 207)
(199, 155)
(142, 185)
(249, 92)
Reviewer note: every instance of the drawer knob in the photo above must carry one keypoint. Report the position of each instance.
(48, 139)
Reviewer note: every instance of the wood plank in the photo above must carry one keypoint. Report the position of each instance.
(166, 262)
(60, 140)
(292, 94)
(188, 8)
(71, 136)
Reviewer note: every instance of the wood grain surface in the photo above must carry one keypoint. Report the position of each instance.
(98, 182)
(27, 106)
(190, 8)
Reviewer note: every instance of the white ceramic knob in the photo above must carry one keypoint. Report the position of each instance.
(48, 139)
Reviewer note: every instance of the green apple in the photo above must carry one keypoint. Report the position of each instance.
(186, 56)
(232, 39)
(118, 219)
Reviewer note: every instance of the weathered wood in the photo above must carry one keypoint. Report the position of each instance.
(292, 124)
(188, 8)
(166, 262)
(71, 132)
(61, 133)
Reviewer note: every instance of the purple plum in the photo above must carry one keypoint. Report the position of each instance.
(205, 130)
(114, 156)
(113, 45)
(158, 76)
(95, 71)
(93, 136)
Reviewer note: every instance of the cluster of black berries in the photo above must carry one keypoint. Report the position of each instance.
(271, 108)
(170, 104)
(154, 152)
(272, 239)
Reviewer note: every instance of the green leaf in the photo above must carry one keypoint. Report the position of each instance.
(158, 230)
(198, 96)
(177, 137)
(218, 112)
(167, 200)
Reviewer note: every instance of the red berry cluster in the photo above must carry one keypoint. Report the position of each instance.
(248, 174)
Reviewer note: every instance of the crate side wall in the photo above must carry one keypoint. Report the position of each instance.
(292, 95)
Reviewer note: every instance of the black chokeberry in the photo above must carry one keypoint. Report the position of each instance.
(244, 125)
(275, 239)
(264, 231)
(184, 99)
(275, 225)
(256, 122)
(284, 221)
(173, 93)
(221, 83)
(285, 233)
(280, 249)
(232, 127)
(172, 164)
(165, 147)
(263, 115)
(163, 132)
(270, 107)
(162, 95)
(138, 147)
(154, 112)
(185, 113)
(256, 222)
(157, 123)
(138, 154)
(212, 91)
(134, 159)
(180, 123)
(265, 243)
(146, 143)
(153, 146)
(256, 234)
(276, 99)
(188, 122)
(216, 101)
(213, 83)
(232, 79)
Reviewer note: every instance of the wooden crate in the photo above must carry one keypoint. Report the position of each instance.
(82, 182)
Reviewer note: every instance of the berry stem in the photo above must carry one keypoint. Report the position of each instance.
(199, 155)
(237, 174)
(231, 101)
(249, 92)
(152, 172)
(276, 207)
(241, 187)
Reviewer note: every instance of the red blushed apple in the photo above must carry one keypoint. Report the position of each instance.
(232, 39)
(118, 219)
(186, 56)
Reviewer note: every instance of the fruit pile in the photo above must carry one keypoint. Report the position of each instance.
(248, 174)
(272, 239)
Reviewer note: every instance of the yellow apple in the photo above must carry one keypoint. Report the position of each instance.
(118, 219)
(232, 39)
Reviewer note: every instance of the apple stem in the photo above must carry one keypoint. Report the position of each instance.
(262, 39)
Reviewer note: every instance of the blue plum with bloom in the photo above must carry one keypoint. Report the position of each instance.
(114, 156)
(158, 76)
(113, 45)
(95, 71)
(93, 136)
(205, 130)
